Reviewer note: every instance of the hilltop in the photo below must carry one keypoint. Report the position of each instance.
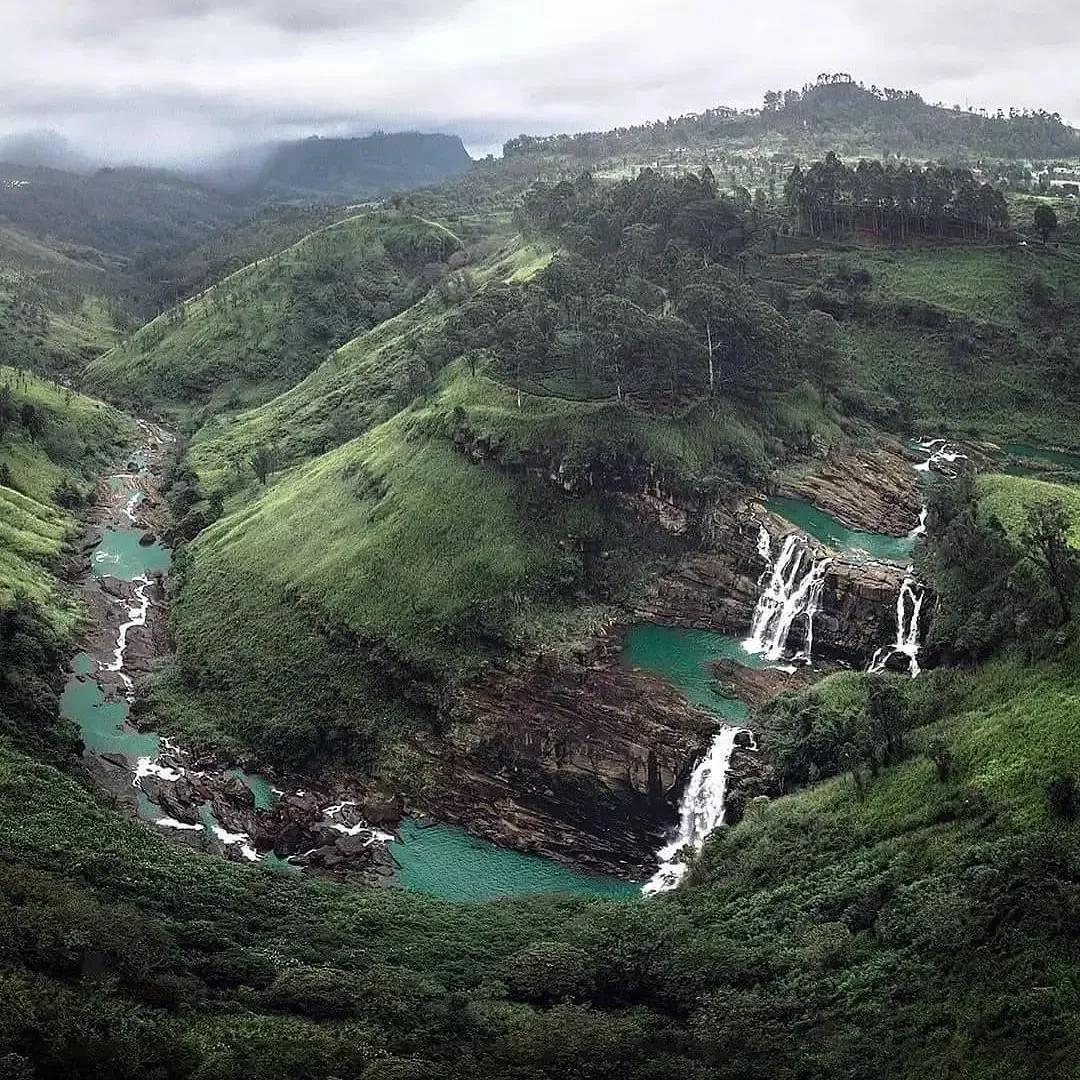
(833, 113)
(268, 324)
(331, 171)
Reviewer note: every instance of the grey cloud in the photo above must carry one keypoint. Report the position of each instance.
(158, 77)
(112, 17)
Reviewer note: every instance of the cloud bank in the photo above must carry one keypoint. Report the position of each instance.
(169, 79)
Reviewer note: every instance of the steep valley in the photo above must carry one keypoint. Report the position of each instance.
(630, 631)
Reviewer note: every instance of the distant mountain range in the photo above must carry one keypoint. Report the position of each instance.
(342, 170)
(313, 170)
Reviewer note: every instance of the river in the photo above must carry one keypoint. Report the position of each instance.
(126, 567)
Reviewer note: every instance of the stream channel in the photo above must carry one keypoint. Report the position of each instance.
(123, 587)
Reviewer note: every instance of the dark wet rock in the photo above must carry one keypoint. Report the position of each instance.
(545, 755)
(148, 539)
(116, 760)
(307, 803)
(749, 776)
(718, 590)
(355, 845)
(756, 686)
(383, 813)
(289, 839)
(236, 790)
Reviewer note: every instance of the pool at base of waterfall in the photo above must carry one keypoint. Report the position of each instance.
(683, 657)
(448, 862)
(828, 530)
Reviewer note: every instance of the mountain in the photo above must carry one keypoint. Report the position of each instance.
(264, 327)
(44, 149)
(441, 468)
(343, 170)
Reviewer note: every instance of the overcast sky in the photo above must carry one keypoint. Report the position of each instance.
(158, 79)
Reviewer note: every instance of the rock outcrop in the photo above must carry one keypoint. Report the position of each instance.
(873, 491)
(582, 761)
(719, 589)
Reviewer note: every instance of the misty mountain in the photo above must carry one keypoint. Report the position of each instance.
(332, 170)
(46, 149)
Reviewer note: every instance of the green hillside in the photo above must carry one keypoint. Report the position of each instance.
(396, 565)
(983, 340)
(366, 381)
(53, 442)
(269, 324)
(909, 924)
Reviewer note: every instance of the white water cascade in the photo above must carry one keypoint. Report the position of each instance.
(942, 455)
(909, 604)
(920, 529)
(701, 811)
(794, 588)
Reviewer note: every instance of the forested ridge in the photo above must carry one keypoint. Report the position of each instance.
(834, 109)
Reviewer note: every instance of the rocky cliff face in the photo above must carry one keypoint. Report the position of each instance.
(579, 760)
(875, 491)
(718, 590)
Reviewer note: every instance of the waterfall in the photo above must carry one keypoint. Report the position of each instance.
(920, 529)
(942, 454)
(702, 809)
(793, 589)
(909, 604)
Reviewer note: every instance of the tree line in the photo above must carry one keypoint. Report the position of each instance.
(895, 200)
(649, 305)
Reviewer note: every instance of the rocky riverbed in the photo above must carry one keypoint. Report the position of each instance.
(196, 799)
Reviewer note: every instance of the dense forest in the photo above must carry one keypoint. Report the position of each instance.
(894, 200)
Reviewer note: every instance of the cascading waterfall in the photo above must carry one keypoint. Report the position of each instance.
(942, 454)
(793, 589)
(909, 604)
(701, 811)
(920, 529)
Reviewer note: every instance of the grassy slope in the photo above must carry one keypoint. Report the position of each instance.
(52, 306)
(395, 539)
(363, 383)
(1003, 386)
(266, 326)
(1008, 497)
(80, 435)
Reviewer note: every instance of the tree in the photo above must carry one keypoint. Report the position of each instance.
(1046, 220)
(702, 305)
(263, 462)
(8, 411)
(1046, 540)
(31, 419)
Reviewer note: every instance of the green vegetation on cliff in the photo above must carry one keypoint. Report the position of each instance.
(266, 326)
(838, 931)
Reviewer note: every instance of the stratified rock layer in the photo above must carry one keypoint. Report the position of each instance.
(873, 491)
(582, 761)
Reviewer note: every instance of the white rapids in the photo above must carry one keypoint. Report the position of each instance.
(942, 456)
(909, 604)
(794, 587)
(702, 810)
